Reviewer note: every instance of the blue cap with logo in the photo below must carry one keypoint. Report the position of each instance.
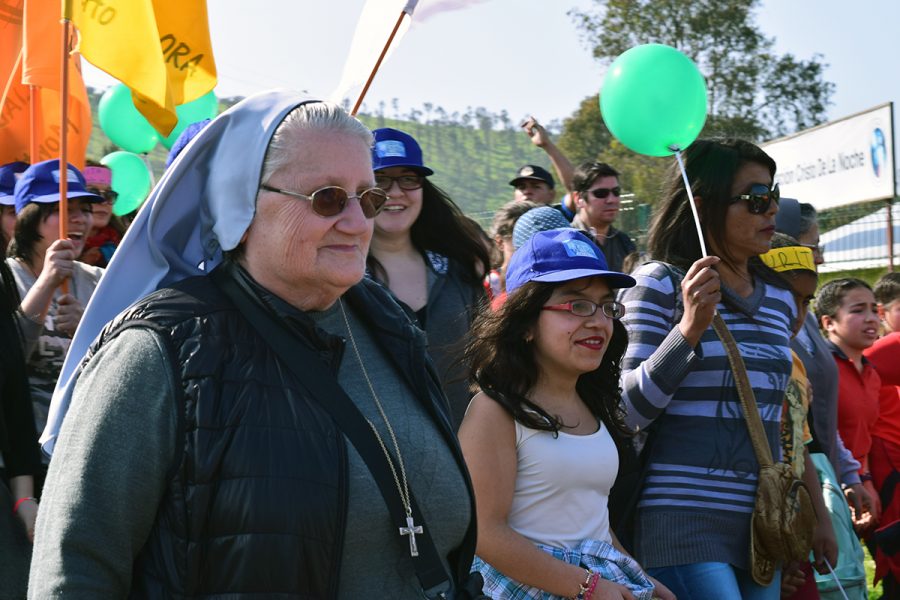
(40, 184)
(561, 255)
(9, 174)
(393, 148)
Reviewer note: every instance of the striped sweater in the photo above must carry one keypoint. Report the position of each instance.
(701, 478)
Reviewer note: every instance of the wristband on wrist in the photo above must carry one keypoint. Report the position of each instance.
(584, 587)
(20, 501)
(864, 477)
(592, 587)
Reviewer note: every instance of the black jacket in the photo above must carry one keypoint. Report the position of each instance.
(257, 500)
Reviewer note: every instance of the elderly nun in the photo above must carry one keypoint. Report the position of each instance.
(258, 420)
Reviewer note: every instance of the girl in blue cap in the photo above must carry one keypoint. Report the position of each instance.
(40, 263)
(540, 437)
(431, 257)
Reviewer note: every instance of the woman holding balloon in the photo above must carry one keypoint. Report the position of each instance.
(693, 513)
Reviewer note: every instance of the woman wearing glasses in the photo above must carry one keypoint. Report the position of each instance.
(429, 255)
(107, 229)
(540, 438)
(693, 512)
(203, 454)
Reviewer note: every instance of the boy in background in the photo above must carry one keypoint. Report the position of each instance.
(848, 314)
(884, 457)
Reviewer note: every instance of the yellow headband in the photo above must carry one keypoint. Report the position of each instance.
(789, 258)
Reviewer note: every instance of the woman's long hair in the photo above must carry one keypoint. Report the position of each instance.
(9, 293)
(503, 366)
(711, 167)
(27, 233)
(443, 228)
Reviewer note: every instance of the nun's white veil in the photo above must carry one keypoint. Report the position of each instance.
(201, 207)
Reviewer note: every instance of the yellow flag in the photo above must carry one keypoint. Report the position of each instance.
(158, 48)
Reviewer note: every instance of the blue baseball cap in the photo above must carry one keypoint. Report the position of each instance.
(393, 148)
(561, 255)
(542, 218)
(9, 174)
(189, 133)
(40, 184)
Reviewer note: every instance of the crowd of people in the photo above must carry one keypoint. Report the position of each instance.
(303, 372)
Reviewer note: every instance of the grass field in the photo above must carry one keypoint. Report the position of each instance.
(874, 591)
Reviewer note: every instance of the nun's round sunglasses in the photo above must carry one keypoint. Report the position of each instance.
(331, 200)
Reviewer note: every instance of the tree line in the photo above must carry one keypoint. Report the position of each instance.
(754, 93)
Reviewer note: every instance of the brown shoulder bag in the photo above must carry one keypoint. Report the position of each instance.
(784, 519)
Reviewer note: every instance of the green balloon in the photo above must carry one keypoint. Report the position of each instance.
(204, 107)
(130, 179)
(653, 99)
(123, 124)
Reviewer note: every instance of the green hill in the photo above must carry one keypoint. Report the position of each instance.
(474, 154)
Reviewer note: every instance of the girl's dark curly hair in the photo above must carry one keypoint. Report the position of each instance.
(502, 363)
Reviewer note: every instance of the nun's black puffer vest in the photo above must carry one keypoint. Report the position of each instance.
(257, 497)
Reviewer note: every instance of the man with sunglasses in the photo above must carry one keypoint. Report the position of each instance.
(597, 198)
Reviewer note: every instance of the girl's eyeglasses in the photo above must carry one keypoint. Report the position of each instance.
(406, 182)
(586, 308)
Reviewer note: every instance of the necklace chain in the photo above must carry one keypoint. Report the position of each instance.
(402, 488)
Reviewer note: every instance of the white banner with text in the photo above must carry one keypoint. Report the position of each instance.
(841, 162)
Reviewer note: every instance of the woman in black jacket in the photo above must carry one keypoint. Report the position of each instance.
(18, 446)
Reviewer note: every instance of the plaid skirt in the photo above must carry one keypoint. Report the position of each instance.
(600, 557)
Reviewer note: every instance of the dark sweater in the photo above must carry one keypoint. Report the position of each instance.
(18, 436)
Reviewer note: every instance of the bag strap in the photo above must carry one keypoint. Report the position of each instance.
(745, 393)
(309, 369)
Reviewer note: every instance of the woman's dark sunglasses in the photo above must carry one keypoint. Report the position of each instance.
(760, 198)
(406, 182)
(109, 196)
(329, 201)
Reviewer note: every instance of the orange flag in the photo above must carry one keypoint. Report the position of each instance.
(38, 64)
(160, 49)
(11, 12)
(13, 98)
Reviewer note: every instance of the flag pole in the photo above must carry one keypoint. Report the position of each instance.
(63, 139)
(32, 125)
(384, 50)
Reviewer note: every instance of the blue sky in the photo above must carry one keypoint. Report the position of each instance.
(524, 56)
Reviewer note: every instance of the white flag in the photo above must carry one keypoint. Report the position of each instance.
(376, 21)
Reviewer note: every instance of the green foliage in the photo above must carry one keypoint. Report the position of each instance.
(586, 138)
(641, 175)
(474, 154)
(753, 93)
(584, 135)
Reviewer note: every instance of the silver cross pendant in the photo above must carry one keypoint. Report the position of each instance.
(411, 530)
